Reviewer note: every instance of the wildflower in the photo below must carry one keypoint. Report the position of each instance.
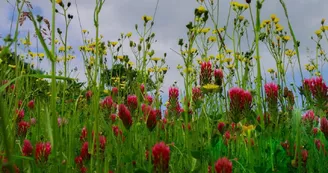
(129, 34)
(196, 94)
(23, 126)
(31, 104)
(248, 129)
(223, 165)
(271, 90)
(84, 151)
(149, 99)
(211, 87)
(240, 100)
(125, 116)
(286, 38)
(218, 76)
(173, 93)
(78, 161)
(156, 59)
(42, 151)
(318, 32)
(205, 73)
(147, 18)
(83, 169)
(114, 91)
(102, 142)
(33, 121)
(324, 126)
(59, 1)
(27, 148)
(212, 39)
(114, 43)
(221, 127)
(20, 114)
(132, 102)
(205, 30)
(201, 9)
(107, 103)
(117, 131)
(152, 120)
(88, 94)
(83, 135)
(317, 88)
(161, 157)
(241, 18)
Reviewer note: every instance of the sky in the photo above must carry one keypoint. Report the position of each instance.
(120, 16)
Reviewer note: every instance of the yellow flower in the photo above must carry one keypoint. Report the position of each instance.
(286, 37)
(69, 47)
(227, 60)
(129, 34)
(212, 39)
(41, 55)
(276, 20)
(84, 31)
(231, 66)
(189, 69)
(218, 30)
(179, 67)
(210, 87)
(130, 63)
(317, 73)
(279, 27)
(273, 17)
(201, 9)
(151, 70)
(193, 50)
(310, 68)
(219, 56)
(322, 52)
(106, 91)
(120, 57)
(56, 41)
(164, 69)
(290, 52)
(228, 51)
(147, 18)
(59, 1)
(318, 32)
(61, 49)
(27, 43)
(156, 59)
(12, 66)
(241, 18)
(205, 30)
(113, 43)
(248, 129)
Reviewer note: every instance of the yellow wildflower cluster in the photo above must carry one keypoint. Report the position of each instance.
(290, 53)
(69, 57)
(275, 20)
(210, 87)
(309, 67)
(218, 30)
(238, 6)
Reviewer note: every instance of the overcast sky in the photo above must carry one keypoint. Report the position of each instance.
(120, 16)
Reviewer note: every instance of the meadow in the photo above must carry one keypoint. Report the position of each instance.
(227, 114)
